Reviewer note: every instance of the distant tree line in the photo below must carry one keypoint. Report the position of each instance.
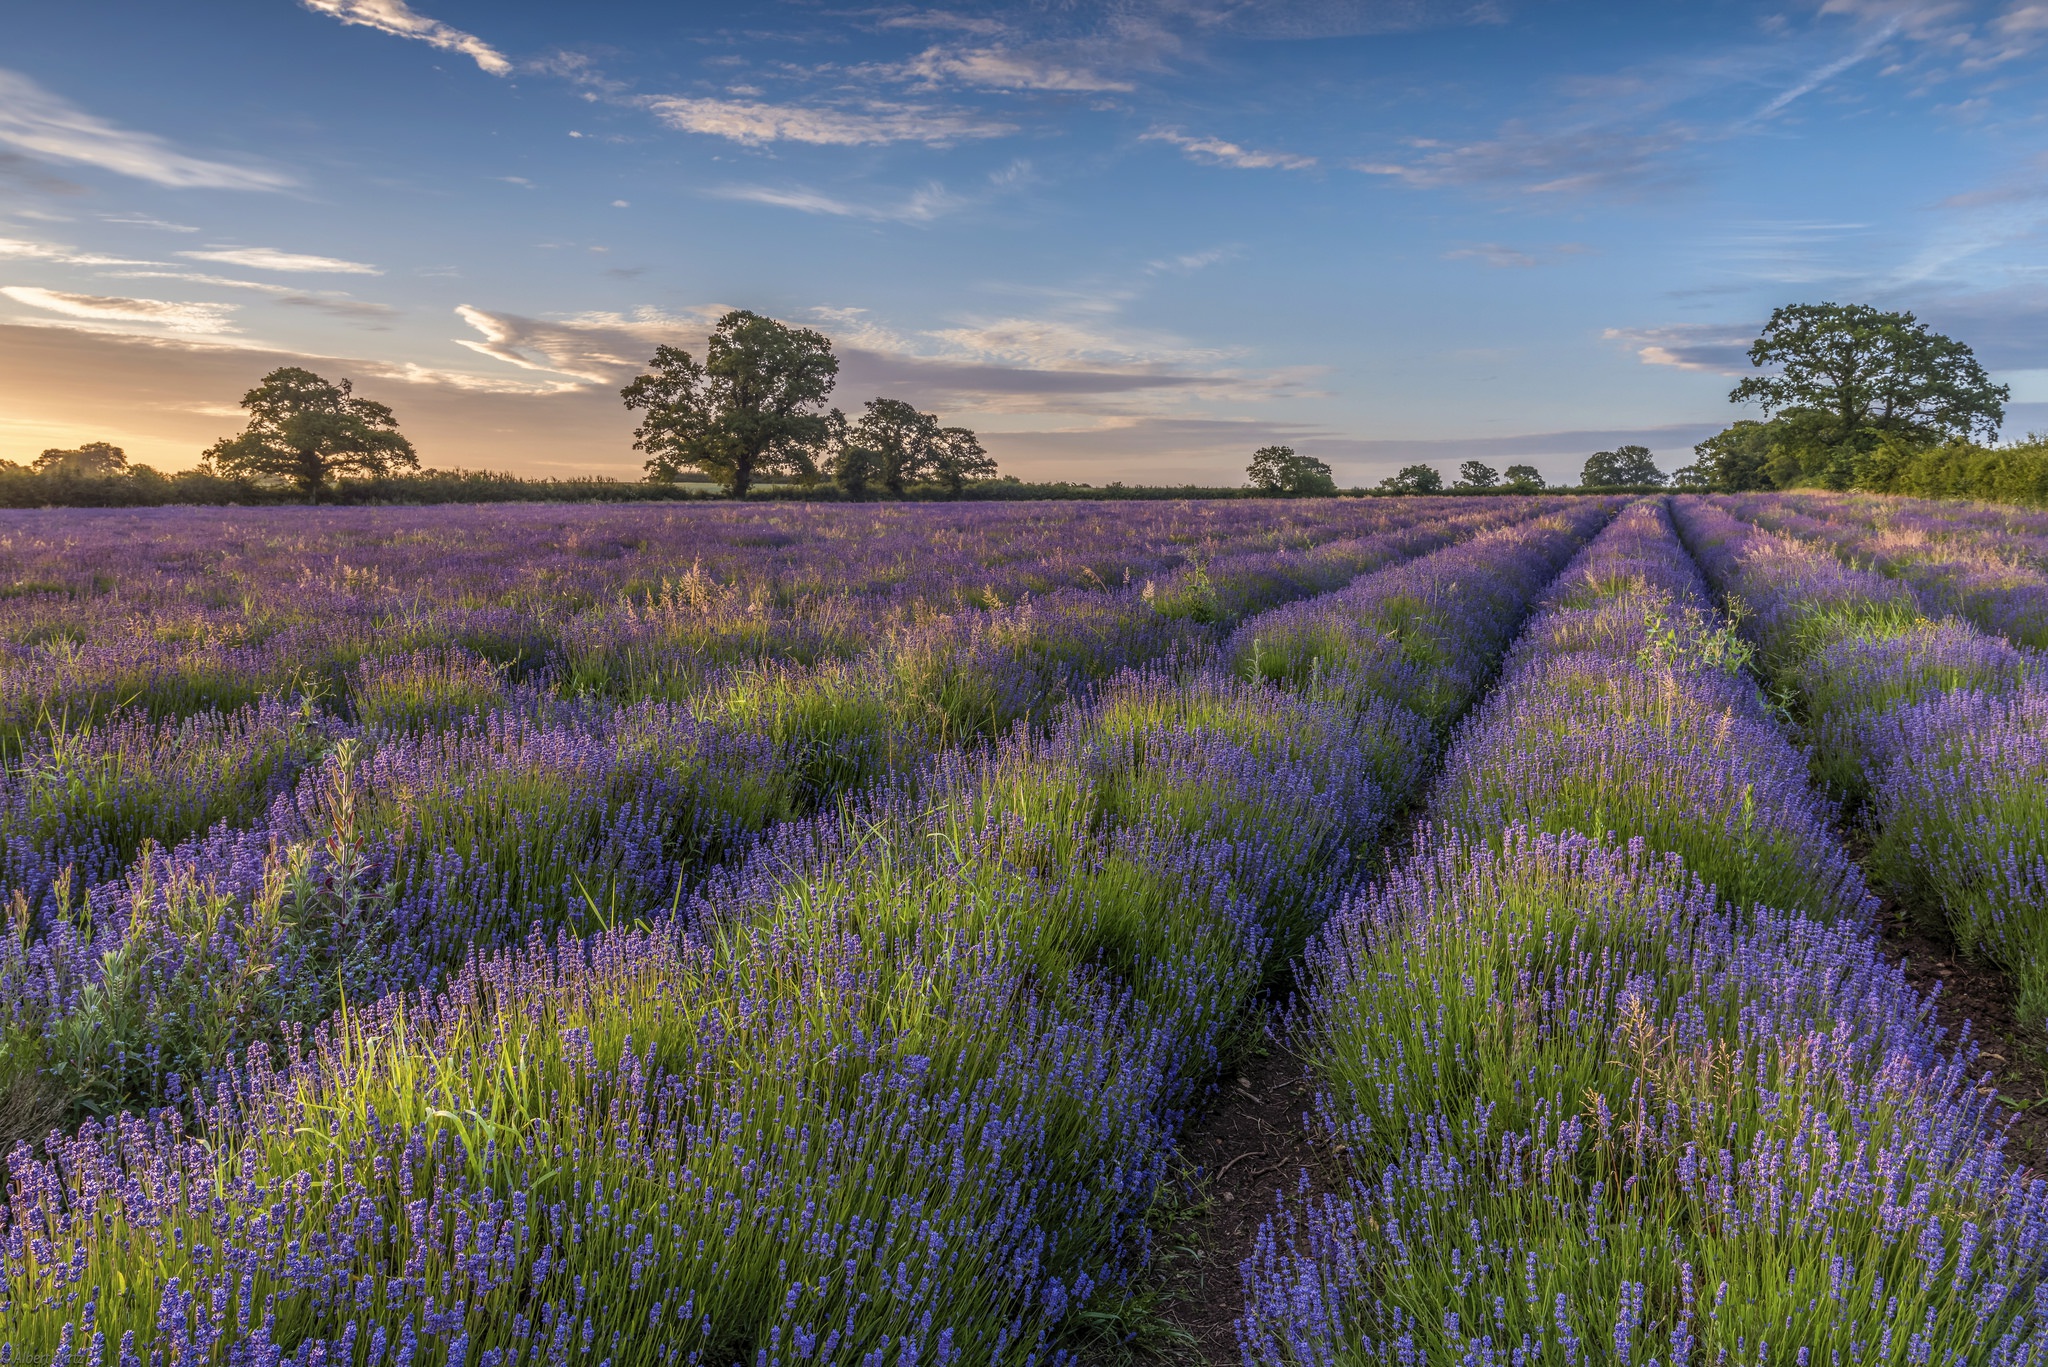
(1857, 399)
(752, 411)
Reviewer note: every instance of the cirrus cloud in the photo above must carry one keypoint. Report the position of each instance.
(46, 126)
(996, 68)
(757, 123)
(1217, 152)
(103, 308)
(271, 259)
(400, 20)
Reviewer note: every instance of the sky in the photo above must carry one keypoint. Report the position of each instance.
(1131, 240)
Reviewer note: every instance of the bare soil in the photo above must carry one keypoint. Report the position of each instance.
(1248, 1151)
(2014, 1053)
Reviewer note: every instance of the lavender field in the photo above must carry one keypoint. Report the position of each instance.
(776, 934)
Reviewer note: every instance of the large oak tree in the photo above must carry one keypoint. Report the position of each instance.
(1868, 370)
(1283, 470)
(902, 442)
(753, 407)
(1624, 465)
(959, 458)
(308, 430)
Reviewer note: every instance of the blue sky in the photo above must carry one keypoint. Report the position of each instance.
(1130, 240)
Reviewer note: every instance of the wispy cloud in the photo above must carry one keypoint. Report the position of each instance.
(350, 310)
(1077, 357)
(145, 221)
(1546, 162)
(757, 123)
(1068, 362)
(20, 249)
(399, 19)
(1717, 348)
(1217, 152)
(1300, 19)
(1827, 71)
(594, 349)
(2027, 186)
(47, 126)
(102, 308)
(1189, 262)
(1501, 256)
(995, 68)
(198, 278)
(925, 20)
(1493, 254)
(923, 205)
(271, 259)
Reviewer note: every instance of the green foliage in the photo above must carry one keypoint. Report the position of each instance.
(192, 977)
(835, 727)
(1477, 474)
(1281, 470)
(958, 457)
(1864, 399)
(425, 690)
(92, 460)
(1960, 469)
(1862, 368)
(750, 409)
(893, 444)
(1797, 450)
(1587, 1058)
(1732, 461)
(307, 430)
(1624, 466)
(1978, 784)
(1414, 479)
(1523, 479)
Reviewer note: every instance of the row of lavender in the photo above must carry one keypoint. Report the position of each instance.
(2016, 534)
(180, 610)
(1939, 731)
(1955, 564)
(1616, 1067)
(897, 1088)
(87, 798)
(181, 888)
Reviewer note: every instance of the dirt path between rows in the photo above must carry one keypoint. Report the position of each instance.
(2013, 1052)
(1244, 1155)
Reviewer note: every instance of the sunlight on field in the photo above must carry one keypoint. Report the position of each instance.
(808, 933)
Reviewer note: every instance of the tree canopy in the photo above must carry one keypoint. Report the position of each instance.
(1869, 370)
(1623, 465)
(1414, 479)
(308, 430)
(1477, 474)
(753, 407)
(1732, 461)
(900, 442)
(1283, 470)
(958, 458)
(90, 460)
(894, 445)
(1522, 478)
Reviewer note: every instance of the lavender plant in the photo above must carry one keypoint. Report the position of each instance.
(1595, 1107)
(1961, 821)
(898, 1085)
